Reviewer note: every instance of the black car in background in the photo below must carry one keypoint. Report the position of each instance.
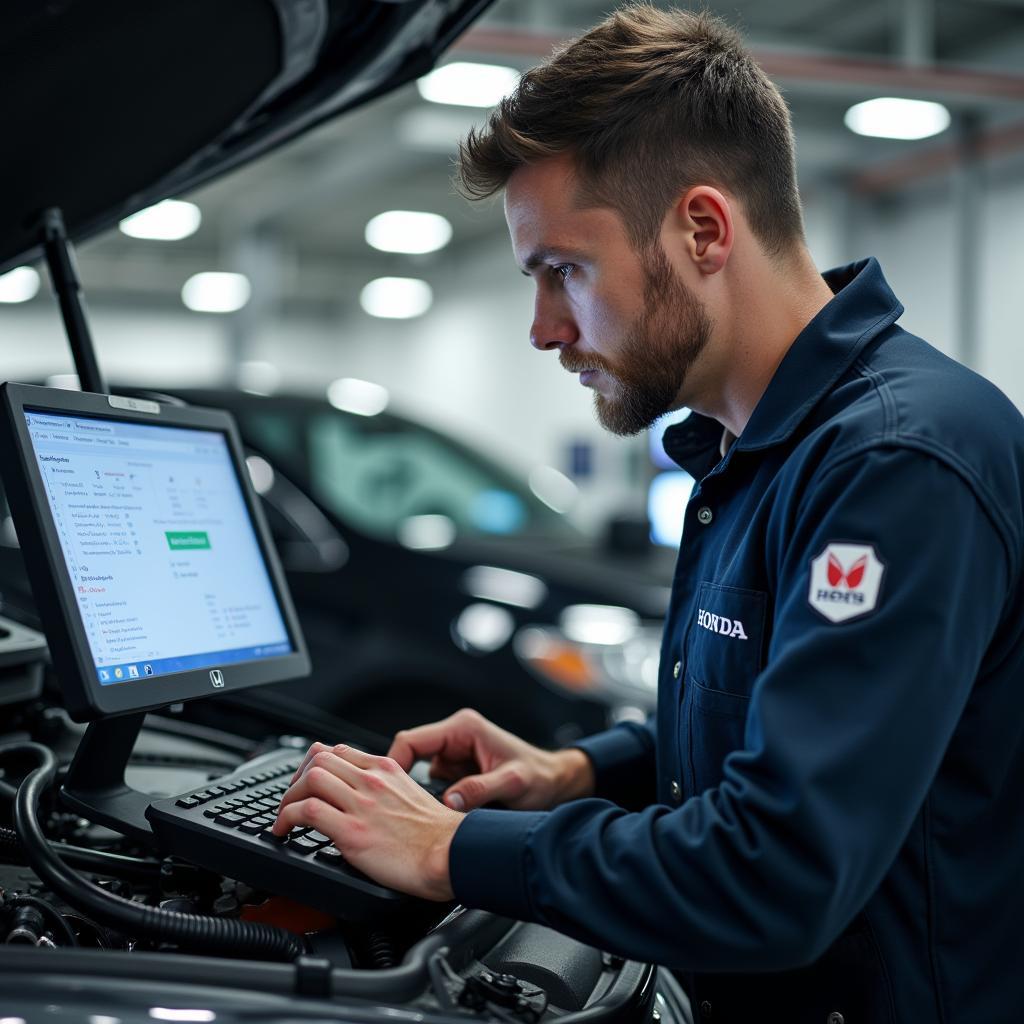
(428, 577)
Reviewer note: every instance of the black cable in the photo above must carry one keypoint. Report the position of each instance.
(193, 931)
(142, 869)
(52, 913)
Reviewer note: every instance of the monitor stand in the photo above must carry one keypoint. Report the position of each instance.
(95, 784)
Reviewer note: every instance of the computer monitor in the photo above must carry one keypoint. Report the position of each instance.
(149, 556)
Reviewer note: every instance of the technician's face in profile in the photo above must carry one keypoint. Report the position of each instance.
(621, 319)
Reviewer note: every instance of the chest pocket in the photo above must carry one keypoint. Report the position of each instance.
(725, 654)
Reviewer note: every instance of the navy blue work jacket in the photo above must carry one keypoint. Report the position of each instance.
(828, 816)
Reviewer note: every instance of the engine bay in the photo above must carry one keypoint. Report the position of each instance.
(61, 949)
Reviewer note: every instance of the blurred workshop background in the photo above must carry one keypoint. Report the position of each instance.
(345, 267)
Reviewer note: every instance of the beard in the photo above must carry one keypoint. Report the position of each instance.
(655, 355)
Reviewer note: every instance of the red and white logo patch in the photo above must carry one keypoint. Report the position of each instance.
(846, 580)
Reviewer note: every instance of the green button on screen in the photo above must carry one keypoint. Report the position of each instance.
(193, 540)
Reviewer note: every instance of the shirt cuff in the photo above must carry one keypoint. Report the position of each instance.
(487, 861)
(616, 755)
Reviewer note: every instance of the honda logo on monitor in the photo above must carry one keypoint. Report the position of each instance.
(217, 678)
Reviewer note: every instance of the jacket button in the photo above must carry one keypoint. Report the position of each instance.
(835, 1017)
(704, 515)
(705, 1010)
(677, 794)
(676, 669)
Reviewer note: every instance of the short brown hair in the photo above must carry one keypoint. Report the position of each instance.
(648, 104)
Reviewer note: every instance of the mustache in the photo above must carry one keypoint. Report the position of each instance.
(573, 363)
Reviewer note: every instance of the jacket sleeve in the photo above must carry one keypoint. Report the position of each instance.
(845, 731)
(624, 763)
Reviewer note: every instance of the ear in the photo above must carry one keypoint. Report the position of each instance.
(704, 216)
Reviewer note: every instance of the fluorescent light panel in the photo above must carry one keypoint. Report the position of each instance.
(466, 84)
(169, 221)
(408, 231)
(362, 397)
(891, 118)
(216, 292)
(396, 298)
(19, 284)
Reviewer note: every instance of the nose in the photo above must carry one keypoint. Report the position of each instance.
(552, 325)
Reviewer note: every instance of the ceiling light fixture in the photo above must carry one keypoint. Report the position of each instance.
(396, 298)
(408, 231)
(216, 292)
(19, 284)
(362, 397)
(169, 221)
(466, 84)
(892, 118)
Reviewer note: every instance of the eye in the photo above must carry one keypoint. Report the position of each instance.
(563, 271)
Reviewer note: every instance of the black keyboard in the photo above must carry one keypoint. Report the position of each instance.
(224, 826)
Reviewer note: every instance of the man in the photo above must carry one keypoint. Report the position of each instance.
(826, 816)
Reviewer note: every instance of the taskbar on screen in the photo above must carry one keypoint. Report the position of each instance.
(108, 675)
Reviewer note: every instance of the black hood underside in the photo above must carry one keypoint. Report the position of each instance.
(112, 105)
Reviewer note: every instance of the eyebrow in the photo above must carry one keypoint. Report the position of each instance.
(546, 254)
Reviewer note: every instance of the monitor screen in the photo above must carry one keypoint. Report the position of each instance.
(159, 546)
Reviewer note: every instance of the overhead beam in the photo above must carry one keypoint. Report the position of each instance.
(895, 174)
(848, 76)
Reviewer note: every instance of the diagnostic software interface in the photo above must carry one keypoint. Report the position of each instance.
(160, 548)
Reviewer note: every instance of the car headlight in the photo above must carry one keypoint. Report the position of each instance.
(621, 672)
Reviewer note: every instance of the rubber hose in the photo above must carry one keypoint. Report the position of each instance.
(381, 950)
(101, 862)
(193, 931)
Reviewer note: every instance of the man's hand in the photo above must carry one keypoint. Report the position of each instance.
(383, 822)
(492, 765)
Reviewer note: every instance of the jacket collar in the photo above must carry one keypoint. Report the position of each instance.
(862, 307)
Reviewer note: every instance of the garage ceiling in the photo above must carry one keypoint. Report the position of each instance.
(294, 220)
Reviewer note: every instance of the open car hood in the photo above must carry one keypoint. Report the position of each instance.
(112, 105)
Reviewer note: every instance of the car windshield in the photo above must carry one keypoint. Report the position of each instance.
(389, 477)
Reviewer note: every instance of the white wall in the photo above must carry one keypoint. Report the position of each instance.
(142, 347)
(916, 245)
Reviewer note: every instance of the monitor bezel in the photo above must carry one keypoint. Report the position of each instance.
(85, 697)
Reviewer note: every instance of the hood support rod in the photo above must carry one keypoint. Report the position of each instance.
(68, 286)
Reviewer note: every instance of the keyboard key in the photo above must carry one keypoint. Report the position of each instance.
(203, 796)
(319, 837)
(216, 791)
(304, 843)
(252, 827)
(188, 802)
(330, 855)
(271, 838)
(230, 818)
